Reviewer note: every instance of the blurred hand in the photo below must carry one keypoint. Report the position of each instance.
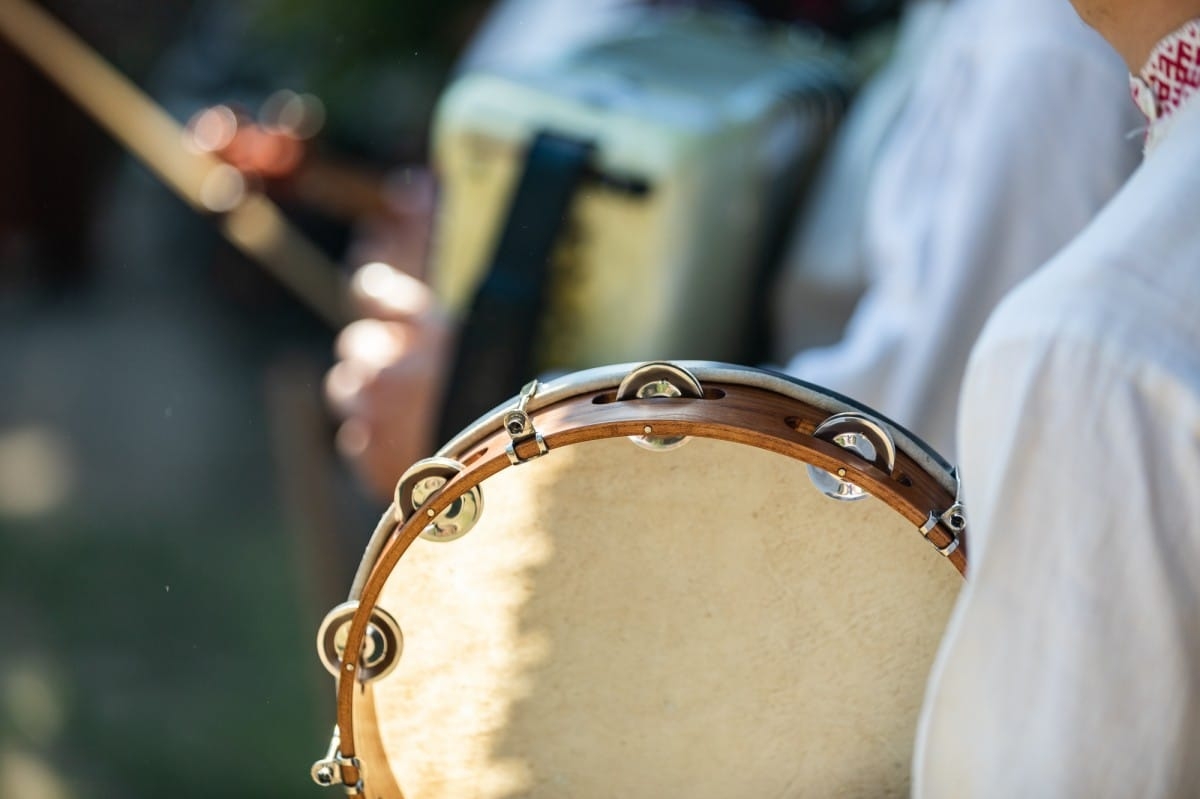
(398, 233)
(253, 149)
(388, 382)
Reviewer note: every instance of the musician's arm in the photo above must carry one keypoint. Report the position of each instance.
(1071, 667)
(990, 171)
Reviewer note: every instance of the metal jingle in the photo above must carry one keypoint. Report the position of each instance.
(382, 644)
(659, 379)
(420, 482)
(866, 438)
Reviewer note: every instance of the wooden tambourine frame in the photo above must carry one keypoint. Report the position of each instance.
(734, 404)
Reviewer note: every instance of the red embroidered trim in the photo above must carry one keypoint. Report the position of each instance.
(1171, 74)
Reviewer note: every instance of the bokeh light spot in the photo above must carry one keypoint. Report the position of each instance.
(37, 471)
(32, 702)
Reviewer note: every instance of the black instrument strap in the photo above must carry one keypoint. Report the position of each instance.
(495, 354)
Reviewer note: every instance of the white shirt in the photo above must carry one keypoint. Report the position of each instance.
(824, 272)
(1071, 667)
(1014, 137)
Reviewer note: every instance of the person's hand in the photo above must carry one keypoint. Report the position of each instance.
(389, 379)
(398, 233)
(254, 149)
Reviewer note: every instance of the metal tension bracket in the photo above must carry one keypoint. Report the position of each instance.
(327, 771)
(520, 428)
(954, 519)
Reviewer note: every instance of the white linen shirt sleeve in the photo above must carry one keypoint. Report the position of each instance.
(1012, 143)
(1071, 667)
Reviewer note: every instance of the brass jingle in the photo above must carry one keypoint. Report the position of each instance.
(382, 644)
(865, 437)
(659, 379)
(420, 482)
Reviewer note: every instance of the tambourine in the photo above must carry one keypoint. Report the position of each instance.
(671, 580)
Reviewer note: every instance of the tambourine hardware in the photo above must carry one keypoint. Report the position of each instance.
(659, 379)
(954, 519)
(420, 482)
(866, 438)
(327, 771)
(520, 427)
(551, 648)
(381, 647)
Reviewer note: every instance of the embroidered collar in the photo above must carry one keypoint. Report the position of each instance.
(1170, 77)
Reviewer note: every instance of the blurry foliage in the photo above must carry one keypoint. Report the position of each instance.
(372, 31)
(359, 55)
(173, 650)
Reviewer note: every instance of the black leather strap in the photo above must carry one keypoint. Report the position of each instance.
(496, 342)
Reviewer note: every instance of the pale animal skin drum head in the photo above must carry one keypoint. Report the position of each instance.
(699, 623)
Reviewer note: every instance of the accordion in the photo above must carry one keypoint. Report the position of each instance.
(627, 203)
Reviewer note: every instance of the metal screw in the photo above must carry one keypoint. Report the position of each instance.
(514, 423)
(647, 429)
(841, 472)
(325, 775)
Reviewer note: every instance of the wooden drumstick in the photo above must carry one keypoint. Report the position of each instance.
(247, 219)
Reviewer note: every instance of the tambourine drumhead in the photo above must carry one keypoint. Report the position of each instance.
(694, 623)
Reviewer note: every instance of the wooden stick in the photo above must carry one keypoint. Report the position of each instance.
(247, 219)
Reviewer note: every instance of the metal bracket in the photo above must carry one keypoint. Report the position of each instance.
(520, 428)
(327, 771)
(954, 519)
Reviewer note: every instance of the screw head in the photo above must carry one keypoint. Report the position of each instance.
(514, 422)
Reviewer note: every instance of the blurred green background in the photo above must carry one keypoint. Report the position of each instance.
(173, 521)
